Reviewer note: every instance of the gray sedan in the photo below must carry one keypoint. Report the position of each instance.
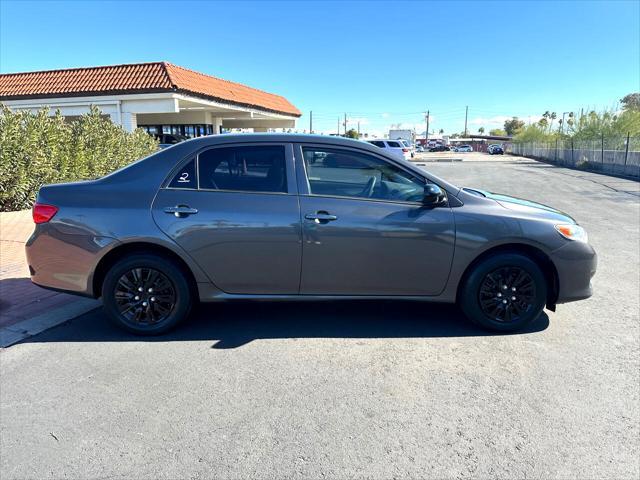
(288, 217)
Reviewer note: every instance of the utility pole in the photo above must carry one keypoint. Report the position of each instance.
(358, 128)
(311, 121)
(338, 126)
(345, 124)
(426, 133)
(562, 126)
(466, 114)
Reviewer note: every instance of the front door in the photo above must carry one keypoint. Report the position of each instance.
(234, 209)
(365, 231)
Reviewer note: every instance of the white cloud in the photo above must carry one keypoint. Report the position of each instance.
(498, 120)
(491, 121)
(355, 120)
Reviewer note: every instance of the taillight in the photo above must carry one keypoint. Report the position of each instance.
(42, 213)
(405, 150)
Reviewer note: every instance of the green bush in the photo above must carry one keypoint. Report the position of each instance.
(39, 148)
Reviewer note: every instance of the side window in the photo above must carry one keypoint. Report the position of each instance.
(248, 169)
(346, 173)
(378, 144)
(394, 144)
(185, 177)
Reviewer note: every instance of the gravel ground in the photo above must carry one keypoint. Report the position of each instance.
(351, 389)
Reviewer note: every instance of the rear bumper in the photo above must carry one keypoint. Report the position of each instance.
(576, 264)
(63, 259)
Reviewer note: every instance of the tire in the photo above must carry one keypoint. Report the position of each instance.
(487, 294)
(146, 311)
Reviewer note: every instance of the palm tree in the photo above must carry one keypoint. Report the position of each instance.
(545, 116)
(481, 130)
(441, 131)
(553, 116)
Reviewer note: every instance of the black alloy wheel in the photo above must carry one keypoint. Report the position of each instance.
(506, 294)
(145, 296)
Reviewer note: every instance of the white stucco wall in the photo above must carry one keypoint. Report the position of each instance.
(156, 108)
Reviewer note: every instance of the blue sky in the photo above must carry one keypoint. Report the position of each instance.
(382, 63)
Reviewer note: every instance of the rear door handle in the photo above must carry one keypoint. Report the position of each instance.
(181, 210)
(321, 217)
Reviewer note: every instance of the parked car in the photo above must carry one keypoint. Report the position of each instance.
(464, 148)
(408, 145)
(495, 149)
(167, 139)
(292, 216)
(395, 147)
(439, 148)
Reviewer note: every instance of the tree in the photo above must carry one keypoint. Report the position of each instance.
(513, 126)
(441, 131)
(352, 133)
(631, 102)
(481, 130)
(533, 133)
(497, 132)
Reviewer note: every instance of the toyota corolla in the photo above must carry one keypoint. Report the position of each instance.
(298, 216)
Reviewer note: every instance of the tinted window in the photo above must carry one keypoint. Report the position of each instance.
(249, 169)
(394, 144)
(378, 144)
(185, 177)
(351, 174)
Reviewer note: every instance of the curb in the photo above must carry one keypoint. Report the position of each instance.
(27, 328)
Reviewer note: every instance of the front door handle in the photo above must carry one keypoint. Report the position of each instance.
(321, 217)
(181, 210)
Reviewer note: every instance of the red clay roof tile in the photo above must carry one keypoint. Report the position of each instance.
(138, 78)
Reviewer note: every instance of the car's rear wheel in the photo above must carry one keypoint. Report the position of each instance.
(146, 294)
(504, 292)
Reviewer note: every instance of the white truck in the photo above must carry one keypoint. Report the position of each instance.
(403, 134)
(406, 135)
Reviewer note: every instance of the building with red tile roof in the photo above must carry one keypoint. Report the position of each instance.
(161, 97)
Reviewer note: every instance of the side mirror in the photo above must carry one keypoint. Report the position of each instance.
(434, 196)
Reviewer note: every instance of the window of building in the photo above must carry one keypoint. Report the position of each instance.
(249, 169)
(346, 173)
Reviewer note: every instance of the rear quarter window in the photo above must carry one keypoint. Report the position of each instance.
(185, 177)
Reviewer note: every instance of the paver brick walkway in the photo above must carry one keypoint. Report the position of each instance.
(20, 300)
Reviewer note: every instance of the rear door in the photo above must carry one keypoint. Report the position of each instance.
(234, 209)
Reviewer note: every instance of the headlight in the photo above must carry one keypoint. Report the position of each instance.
(572, 232)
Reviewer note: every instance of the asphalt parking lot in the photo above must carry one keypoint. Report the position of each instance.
(352, 389)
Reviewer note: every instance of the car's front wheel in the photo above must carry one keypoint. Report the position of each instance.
(146, 294)
(504, 292)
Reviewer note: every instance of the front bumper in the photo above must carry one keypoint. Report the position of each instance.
(576, 264)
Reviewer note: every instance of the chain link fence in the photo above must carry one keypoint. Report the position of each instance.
(616, 155)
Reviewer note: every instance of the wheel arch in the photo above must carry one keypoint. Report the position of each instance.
(126, 249)
(537, 255)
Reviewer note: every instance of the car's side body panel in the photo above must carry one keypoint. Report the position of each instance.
(376, 248)
(247, 243)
